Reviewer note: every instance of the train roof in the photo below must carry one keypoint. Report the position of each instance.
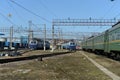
(117, 25)
(37, 39)
(90, 37)
(96, 35)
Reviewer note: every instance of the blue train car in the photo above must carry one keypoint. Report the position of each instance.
(14, 45)
(2, 43)
(47, 45)
(70, 46)
(24, 42)
(7, 45)
(36, 44)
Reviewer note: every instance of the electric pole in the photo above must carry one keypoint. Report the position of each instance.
(30, 36)
(11, 37)
(52, 38)
(44, 37)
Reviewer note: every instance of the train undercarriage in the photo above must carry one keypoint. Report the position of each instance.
(112, 54)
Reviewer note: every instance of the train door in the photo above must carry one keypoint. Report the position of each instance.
(106, 41)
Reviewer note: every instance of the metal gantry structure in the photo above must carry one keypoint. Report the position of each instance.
(81, 22)
(41, 31)
(58, 32)
(84, 22)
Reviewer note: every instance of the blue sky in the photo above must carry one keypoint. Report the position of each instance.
(58, 9)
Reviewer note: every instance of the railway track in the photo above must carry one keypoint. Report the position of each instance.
(14, 52)
(39, 57)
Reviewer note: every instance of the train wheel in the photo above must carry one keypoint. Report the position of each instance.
(97, 52)
(108, 55)
(112, 55)
(117, 56)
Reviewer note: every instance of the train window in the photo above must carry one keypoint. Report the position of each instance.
(34, 42)
(110, 37)
(72, 43)
(117, 36)
(114, 36)
(31, 42)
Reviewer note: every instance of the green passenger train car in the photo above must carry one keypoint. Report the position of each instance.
(114, 40)
(84, 43)
(99, 42)
(107, 42)
(90, 44)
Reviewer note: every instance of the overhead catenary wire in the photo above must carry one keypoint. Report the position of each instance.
(16, 13)
(109, 10)
(51, 12)
(33, 13)
(19, 16)
(117, 15)
(7, 18)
